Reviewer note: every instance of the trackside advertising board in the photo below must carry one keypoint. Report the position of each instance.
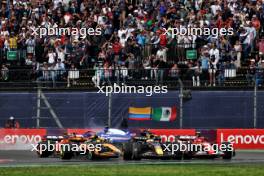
(242, 138)
(23, 139)
(169, 134)
(20, 139)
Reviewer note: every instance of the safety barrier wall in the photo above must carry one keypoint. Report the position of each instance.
(206, 109)
(25, 139)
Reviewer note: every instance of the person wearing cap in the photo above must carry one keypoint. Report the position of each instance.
(12, 123)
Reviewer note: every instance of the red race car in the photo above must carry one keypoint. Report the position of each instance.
(199, 147)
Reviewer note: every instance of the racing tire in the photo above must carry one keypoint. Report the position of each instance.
(136, 151)
(45, 153)
(66, 153)
(127, 151)
(188, 155)
(90, 155)
(227, 154)
(178, 155)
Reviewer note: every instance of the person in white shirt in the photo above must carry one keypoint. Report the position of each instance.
(162, 53)
(122, 32)
(99, 74)
(31, 43)
(51, 57)
(214, 52)
(56, 4)
(73, 75)
(101, 19)
(124, 73)
(215, 7)
(214, 59)
(238, 53)
(61, 54)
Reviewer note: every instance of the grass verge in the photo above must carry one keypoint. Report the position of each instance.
(137, 170)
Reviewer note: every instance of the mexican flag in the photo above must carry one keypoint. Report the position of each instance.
(165, 114)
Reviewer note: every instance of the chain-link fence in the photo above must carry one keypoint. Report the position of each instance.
(200, 109)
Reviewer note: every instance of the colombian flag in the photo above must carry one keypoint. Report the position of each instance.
(139, 113)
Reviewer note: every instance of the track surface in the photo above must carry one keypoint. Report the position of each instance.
(28, 158)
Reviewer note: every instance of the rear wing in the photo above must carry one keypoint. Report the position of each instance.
(185, 138)
(53, 138)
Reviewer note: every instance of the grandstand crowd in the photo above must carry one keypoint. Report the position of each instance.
(132, 43)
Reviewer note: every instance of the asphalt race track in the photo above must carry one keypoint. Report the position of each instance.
(28, 158)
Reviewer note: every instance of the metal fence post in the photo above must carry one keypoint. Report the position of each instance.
(181, 102)
(109, 109)
(255, 104)
(38, 108)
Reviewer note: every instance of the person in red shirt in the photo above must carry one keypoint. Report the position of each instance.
(12, 123)
(2, 41)
(163, 39)
(255, 22)
(117, 47)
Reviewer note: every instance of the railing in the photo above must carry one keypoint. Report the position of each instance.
(90, 78)
(175, 52)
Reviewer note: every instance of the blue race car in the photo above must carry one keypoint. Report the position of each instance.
(112, 135)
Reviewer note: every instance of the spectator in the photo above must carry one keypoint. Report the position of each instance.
(147, 68)
(261, 47)
(161, 66)
(13, 41)
(51, 57)
(107, 73)
(174, 72)
(123, 73)
(162, 53)
(30, 44)
(44, 73)
(205, 64)
(4, 73)
(251, 72)
(12, 123)
(73, 75)
(221, 73)
(61, 54)
(212, 70)
(196, 74)
(237, 51)
(131, 62)
(99, 75)
(135, 27)
(260, 73)
(60, 69)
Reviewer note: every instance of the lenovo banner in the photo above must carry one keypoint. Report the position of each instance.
(169, 134)
(242, 138)
(20, 139)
